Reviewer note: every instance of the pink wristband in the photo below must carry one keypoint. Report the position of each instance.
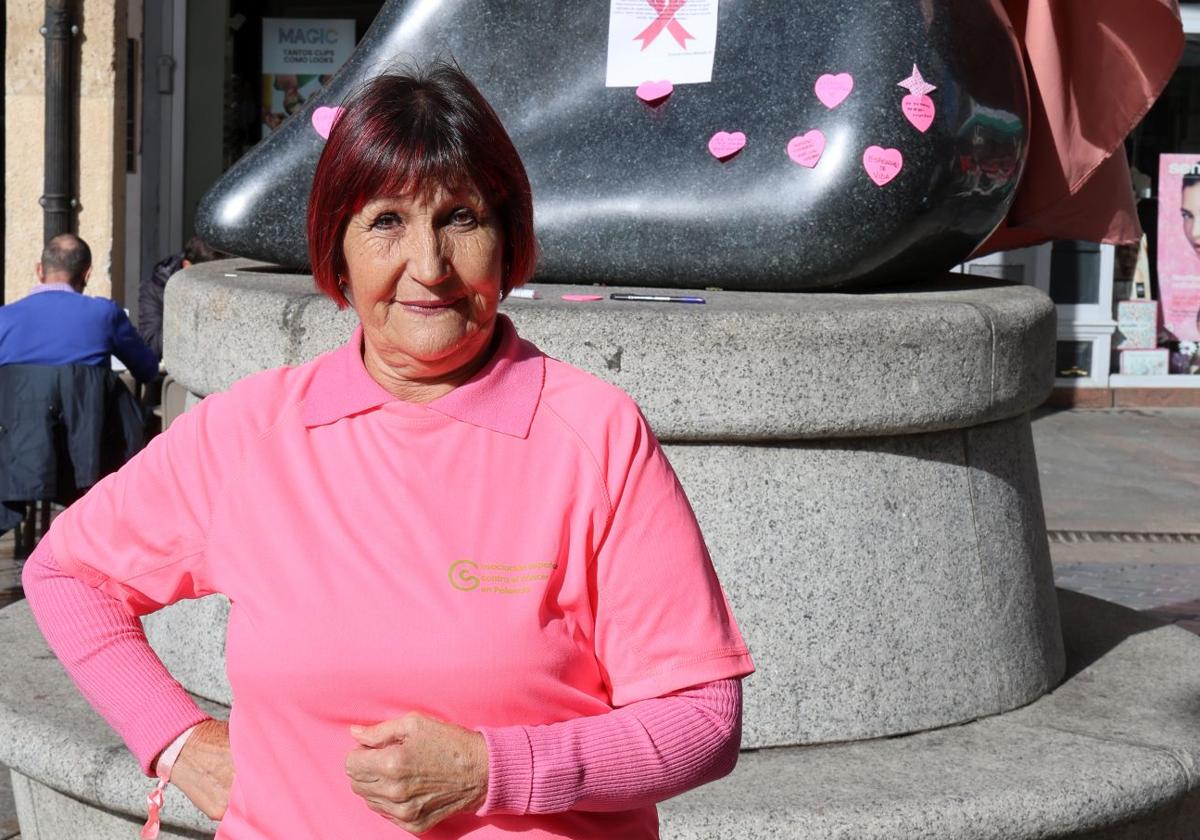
(154, 800)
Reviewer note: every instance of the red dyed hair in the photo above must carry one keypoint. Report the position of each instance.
(413, 132)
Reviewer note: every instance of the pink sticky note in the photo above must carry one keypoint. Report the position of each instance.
(655, 92)
(582, 298)
(725, 144)
(806, 149)
(833, 90)
(920, 111)
(323, 119)
(882, 164)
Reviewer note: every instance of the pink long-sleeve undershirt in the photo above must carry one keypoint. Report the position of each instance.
(641, 753)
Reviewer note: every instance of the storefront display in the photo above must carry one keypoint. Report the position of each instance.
(1144, 362)
(1137, 325)
(1179, 246)
(300, 55)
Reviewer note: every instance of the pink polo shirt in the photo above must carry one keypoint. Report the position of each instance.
(518, 551)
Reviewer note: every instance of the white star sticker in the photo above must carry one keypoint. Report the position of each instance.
(916, 84)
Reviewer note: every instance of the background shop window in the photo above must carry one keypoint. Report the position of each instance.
(1075, 272)
(1073, 359)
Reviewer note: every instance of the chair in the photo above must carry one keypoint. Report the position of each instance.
(62, 429)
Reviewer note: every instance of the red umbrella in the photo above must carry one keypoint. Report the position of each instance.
(1094, 70)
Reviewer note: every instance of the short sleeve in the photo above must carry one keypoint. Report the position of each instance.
(663, 622)
(139, 534)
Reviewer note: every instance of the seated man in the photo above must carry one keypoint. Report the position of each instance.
(56, 324)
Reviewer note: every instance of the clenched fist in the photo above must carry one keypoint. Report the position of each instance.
(416, 771)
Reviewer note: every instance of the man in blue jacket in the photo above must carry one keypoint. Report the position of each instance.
(56, 324)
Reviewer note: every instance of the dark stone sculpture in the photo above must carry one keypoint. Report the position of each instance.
(629, 193)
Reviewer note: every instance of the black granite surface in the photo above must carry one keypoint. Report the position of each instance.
(628, 193)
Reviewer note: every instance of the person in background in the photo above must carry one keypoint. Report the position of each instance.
(56, 324)
(150, 295)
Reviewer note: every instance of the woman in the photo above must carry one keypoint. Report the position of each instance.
(468, 594)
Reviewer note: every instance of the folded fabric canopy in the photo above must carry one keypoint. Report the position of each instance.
(1094, 70)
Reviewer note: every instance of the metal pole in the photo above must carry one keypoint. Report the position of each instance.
(57, 200)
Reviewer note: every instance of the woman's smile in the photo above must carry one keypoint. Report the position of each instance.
(426, 308)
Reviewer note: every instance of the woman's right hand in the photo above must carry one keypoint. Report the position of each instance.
(204, 769)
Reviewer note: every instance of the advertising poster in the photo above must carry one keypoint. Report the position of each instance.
(1179, 245)
(299, 57)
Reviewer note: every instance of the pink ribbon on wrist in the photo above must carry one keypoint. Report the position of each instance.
(154, 799)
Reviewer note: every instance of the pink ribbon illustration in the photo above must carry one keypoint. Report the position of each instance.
(667, 9)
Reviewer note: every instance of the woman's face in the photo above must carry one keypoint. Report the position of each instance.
(424, 275)
(1190, 211)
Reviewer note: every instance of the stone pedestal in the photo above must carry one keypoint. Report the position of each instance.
(861, 465)
(863, 470)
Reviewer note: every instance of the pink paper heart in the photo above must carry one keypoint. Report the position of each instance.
(806, 149)
(920, 111)
(833, 90)
(882, 164)
(724, 144)
(323, 119)
(655, 91)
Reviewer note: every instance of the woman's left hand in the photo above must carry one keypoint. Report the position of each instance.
(416, 771)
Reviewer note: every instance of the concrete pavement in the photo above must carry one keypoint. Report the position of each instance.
(1121, 489)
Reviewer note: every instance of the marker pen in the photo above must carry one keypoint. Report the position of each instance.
(658, 298)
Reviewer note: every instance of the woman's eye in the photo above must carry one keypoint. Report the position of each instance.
(386, 221)
(462, 217)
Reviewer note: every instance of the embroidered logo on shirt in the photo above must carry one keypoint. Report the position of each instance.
(498, 578)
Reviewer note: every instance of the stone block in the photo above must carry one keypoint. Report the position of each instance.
(883, 585)
(1015, 572)
(742, 367)
(189, 637)
(50, 735)
(991, 779)
(1110, 755)
(46, 814)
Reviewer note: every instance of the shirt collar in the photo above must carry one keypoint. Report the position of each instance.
(52, 287)
(503, 396)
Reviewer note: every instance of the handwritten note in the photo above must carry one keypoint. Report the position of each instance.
(832, 89)
(806, 149)
(725, 144)
(882, 165)
(919, 110)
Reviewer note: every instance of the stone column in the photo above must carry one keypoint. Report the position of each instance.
(99, 141)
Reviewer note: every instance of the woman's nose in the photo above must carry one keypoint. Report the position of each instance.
(427, 263)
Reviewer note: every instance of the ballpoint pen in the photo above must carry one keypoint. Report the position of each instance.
(658, 298)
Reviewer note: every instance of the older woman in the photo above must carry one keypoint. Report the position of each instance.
(467, 592)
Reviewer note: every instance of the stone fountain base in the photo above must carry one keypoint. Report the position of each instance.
(1111, 753)
(863, 470)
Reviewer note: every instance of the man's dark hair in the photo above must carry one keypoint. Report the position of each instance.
(69, 254)
(198, 251)
(1189, 181)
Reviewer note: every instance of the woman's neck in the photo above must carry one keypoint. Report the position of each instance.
(416, 389)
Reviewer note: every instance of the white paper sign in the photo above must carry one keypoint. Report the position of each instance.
(652, 40)
(306, 45)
